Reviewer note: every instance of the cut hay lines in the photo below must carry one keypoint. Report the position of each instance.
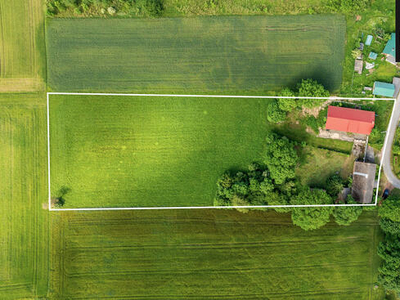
(178, 55)
(212, 254)
(24, 231)
(22, 61)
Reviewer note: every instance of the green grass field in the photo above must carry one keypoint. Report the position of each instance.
(22, 56)
(150, 151)
(213, 254)
(24, 236)
(195, 55)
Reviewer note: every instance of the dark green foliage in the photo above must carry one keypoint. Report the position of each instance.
(389, 272)
(346, 215)
(390, 226)
(390, 208)
(281, 158)
(244, 188)
(106, 7)
(309, 218)
(274, 113)
(287, 104)
(311, 88)
(278, 199)
(348, 6)
(334, 185)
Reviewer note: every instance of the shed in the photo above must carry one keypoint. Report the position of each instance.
(390, 49)
(383, 89)
(350, 120)
(368, 40)
(373, 55)
(358, 66)
(363, 181)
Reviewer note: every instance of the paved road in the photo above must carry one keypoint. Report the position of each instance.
(392, 178)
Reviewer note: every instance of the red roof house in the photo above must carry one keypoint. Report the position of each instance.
(350, 120)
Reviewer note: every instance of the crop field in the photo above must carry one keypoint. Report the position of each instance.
(150, 151)
(255, 54)
(22, 51)
(24, 247)
(220, 254)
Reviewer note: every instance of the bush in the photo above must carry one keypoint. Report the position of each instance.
(281, 158)
(345, 215)
(311, 88)
(274, 113)
(390, 208)
(287, 104)
(310, 218)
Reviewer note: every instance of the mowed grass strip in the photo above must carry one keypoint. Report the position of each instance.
(113, 151)
(22, 51)
(24, 236)
(252, 54)
(210, 254)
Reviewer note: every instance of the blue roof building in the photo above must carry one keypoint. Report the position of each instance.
(390, 49)
(373, 55)
(369, 40)
(383, 89)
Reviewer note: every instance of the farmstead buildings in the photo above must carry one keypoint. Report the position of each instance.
(350, 120)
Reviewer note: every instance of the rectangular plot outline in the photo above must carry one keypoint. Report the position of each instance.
(209, 96)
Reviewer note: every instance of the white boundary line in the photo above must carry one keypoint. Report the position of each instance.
(207, 96)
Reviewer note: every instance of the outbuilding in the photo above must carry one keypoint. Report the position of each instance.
(390, 49)
(383, 89)
(363, 185)
(369, 40)
(350, 120)
(373, 55)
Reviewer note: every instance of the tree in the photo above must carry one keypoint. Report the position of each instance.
(389, 272)
(309, 218)
(286, 104)
(389, 226)
(334, 185)
(278, 199)
(390, 208)
(281, 158)
(311, 88)
(345, 215)
(274, 113)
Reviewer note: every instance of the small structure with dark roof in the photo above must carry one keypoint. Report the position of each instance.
(350, 120)
(363, 185)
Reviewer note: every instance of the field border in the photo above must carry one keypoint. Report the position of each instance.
(207, 96)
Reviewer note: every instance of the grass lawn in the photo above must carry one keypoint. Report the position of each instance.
(150, 151)
(22, 55)
(257, 54)
(24, 241)
(220, 254)
(320, 164)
